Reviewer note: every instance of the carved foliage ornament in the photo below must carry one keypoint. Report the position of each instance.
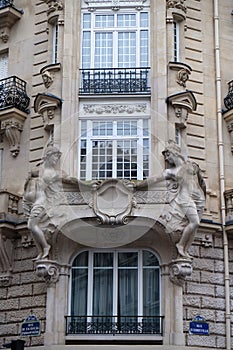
(115, 5)
(115, 108)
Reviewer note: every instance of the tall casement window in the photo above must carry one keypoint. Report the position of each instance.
(115, 52)
(3, 65)
(116, 291)
(114, 149)
(176, 36)
(55, 42)
(115, 40)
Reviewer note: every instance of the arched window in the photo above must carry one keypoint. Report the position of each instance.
(115, 292)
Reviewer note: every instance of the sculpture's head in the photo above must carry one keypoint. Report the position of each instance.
(172, 153)
(51, 155)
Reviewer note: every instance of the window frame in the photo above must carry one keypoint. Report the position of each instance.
(140, 138)
(115, 30)
(90, 277)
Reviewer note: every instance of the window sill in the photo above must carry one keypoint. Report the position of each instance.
(111, 338)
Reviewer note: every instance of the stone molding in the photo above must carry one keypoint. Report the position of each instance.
(8, 17)
(12, 121)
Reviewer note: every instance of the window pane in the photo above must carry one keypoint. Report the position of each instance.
(79, 292)
(127, 49)
(86, 50)
(87, 20)
(129, 259)
(144, 22)
(103, 50)
(81, 260)
(149, 259)
(103, 260)
(126, 20)
(150, 292)
(104, 21)
(144, 48)
(102, 292)
(128, 292)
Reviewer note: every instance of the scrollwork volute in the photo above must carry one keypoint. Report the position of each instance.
(48, 270)
(180, 269)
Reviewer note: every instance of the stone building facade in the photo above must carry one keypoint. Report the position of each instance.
(111, 89)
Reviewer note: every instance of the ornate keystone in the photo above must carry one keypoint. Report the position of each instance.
(180, 269)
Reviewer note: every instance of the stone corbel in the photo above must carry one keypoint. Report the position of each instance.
(180, 269)
(48, 73)
(183, 103)
(46, 105)
(8, 17)
(177, 8)
(228, 117)
(182, 72)
(49, 270)
(55, 9)
(12, 122)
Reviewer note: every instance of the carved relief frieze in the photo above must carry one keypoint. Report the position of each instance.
(115, 108)
(115, 5)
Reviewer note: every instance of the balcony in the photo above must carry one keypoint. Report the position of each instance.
(114, 325)
(13, 94)
(5, 3)
(115, 81)
(228, 100)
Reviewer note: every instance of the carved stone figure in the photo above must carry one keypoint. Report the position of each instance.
(188, 204)
(42, 190)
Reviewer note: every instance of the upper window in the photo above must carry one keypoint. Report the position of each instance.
(114, 149)
(176, 35)
(3, 65)
(116, 292)
(115, 40)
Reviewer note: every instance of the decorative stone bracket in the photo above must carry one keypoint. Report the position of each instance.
(12, 121)
(55, 10)
(180, 269)
(46, 105)
(48, 73)
(50, 270)
(183, 103)
(178, 8)
(182, 72)
(8, 17)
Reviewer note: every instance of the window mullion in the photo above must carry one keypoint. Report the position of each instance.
(89, 151)
(140, 284)
(140, 149)
(115, 284)
(90, 284)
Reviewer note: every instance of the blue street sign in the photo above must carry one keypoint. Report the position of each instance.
(199, 327)
(30, 327)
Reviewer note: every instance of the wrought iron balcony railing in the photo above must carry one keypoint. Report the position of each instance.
(6, 3)
(134, 325)
(13, 94)
(115, 80)
(228, 100)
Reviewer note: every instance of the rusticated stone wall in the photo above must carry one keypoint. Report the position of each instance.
(24, 296)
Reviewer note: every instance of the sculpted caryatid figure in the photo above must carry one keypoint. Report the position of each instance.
(190, 198)
(40, 193)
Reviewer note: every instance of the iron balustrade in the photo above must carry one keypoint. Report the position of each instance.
(228, 100)
(115, 80)
(6, 3)
(114, 325)
(13, 94)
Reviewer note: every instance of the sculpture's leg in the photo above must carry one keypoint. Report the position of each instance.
(39, 238)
